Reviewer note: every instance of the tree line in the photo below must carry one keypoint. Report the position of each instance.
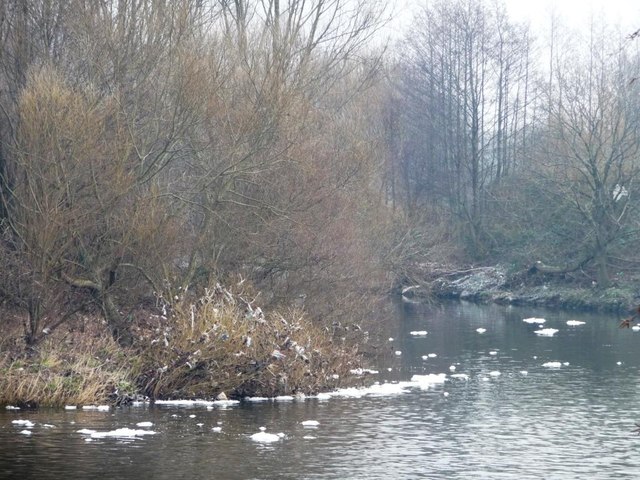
(522, 150)
(152, 146)
(148, 147)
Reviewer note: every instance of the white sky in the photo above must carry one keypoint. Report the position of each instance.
(577, 13)
(574, 13)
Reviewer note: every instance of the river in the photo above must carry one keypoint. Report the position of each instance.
(513, 417)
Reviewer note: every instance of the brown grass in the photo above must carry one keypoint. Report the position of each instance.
(222, 342)
(219, 341)
(68, 368)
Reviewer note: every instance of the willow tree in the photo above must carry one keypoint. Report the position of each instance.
(286, 74)
(169, 140)
(91, 132)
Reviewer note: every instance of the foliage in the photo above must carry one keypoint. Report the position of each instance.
(520, 163)
(150, 144)
(195, 346)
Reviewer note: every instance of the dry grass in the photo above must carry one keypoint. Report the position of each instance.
(222, 342)
(70, 368)
(196, 347)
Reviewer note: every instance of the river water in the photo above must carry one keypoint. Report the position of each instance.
(512, 418)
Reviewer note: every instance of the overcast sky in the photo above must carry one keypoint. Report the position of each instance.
(575, 13)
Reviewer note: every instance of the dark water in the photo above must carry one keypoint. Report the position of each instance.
(570, 422)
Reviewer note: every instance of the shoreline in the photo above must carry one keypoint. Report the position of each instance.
(494, 285)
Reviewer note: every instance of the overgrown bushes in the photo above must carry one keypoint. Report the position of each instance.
(222, 342)
(190, 346)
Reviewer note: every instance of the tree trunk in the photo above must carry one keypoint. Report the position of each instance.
(571, 267)
(35, 313)
(602, 275)
(117, 324)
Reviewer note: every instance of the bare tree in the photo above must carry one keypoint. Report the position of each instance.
(465, 85)
(590, 151)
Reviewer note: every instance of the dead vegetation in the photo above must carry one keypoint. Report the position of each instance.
(222, 341)
(191, 346)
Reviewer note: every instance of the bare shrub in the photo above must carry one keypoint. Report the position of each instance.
(222, 342)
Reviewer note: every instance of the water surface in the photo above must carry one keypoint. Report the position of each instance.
(530, 421)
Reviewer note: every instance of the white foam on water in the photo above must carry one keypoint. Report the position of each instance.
(284, 398)
(481, 330)
(546, 332)
(429, 380)
(144, 424)
(418, 333)
(375, 390)
(122, 433)
(461, 376)
(575, 323)
(184, 403)
(363, 371)
(99, 408)
(198, 403)
(552, 364)
(539, 321)
(226, 403)
(24, 423)
(310, 423)
(264, 437)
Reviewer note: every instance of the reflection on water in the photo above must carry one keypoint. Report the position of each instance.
(529, 421)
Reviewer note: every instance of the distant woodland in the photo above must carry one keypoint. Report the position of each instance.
(150, 148)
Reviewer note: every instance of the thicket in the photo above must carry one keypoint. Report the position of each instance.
(152, 148)
(517, 150)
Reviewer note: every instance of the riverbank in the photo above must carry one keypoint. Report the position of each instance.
(495, 284)
(217, 345)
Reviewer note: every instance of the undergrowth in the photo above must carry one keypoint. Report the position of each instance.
(220, 342)
(65, 370)
(193, 346)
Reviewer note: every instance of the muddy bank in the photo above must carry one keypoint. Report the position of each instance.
(496, 285)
